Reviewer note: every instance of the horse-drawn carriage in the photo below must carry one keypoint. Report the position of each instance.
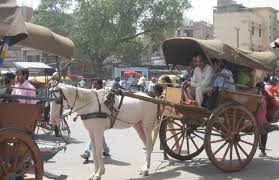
(228, 132)
(20, 156)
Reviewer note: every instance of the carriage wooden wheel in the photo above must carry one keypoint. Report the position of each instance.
(181, 139)
(231, 138)
(19, 156)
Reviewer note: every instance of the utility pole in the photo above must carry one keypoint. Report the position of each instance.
(237, 37)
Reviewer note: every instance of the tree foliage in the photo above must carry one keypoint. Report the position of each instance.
(102, 28)
(55, 15)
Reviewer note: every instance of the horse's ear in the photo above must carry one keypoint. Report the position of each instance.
(102, 95)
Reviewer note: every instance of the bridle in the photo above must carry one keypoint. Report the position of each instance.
(99, 113)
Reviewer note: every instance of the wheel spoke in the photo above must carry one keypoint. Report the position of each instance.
(231, 152)
(223, 145)
(176, 142)
(176, 123)
(216, 130)
(233, 120)
(172, 136)
(223, 126)
(188, 146)
(180, 148)
(202, 132)
(214, 134)
(246, 134)
(246, 142)
(239, 121)
(237, 153)
(220, 140)
(242, 150)
(172, 129)
(226, 152)
(194, 143)
(198, 136)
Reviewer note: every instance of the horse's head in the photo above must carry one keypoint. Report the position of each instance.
(80, 99)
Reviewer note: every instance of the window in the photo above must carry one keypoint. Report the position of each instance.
(178, 32)
(185, 33)
(260, 33)
(253, 30)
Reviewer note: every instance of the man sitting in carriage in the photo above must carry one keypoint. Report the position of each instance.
(201, 82)
(24, 87)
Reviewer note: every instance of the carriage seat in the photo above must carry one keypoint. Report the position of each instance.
(173, 95)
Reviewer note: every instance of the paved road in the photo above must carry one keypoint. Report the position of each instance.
(127, 156)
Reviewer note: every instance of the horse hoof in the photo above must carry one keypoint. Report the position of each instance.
(97, 178)
(144, 173)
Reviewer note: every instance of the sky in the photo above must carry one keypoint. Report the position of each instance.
(201, 9)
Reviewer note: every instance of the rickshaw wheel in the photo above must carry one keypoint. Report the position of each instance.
(64, 131)
(232, 136)
(19, 156)
(179, 140)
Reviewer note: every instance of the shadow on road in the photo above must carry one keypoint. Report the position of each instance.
(53, 138)
(55, 177)
(109, 160)
(204, 169)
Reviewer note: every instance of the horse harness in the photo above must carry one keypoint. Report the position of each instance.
(113, 111)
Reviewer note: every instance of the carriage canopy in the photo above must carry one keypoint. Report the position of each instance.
(11, 21)
(31, 35)
(179, 51)
(42, 38)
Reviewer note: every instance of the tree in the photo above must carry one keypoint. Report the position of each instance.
(55, 15)
(102, 28)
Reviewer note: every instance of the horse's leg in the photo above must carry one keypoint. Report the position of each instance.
(138, 127)
(149, 148)
(98, 136)
(92, 138)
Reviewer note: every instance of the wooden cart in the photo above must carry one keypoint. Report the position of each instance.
(19, 153)
(229, 132)
(20, 157)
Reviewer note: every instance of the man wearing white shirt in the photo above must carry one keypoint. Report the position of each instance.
(201, 81)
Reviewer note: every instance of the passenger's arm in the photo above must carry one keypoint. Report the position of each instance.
(208, 77)
(194, 82)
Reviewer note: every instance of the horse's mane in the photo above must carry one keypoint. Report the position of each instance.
(84, 95)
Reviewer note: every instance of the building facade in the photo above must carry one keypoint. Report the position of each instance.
(199, 30)
(246, 28)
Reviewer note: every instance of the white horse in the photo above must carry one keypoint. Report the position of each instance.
(133, 112)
